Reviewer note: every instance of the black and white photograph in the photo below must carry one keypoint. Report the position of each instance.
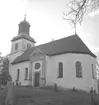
(49, 52)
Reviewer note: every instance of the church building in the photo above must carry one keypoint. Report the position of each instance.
(66, 62)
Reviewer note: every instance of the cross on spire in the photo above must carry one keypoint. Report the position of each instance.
(75, 27)
(25, 17)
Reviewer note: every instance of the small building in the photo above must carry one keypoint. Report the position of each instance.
(67, 62)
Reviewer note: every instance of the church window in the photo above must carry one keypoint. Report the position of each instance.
(78, 69)
(37, 65)
(18, 74)
(26, 73)
(60, 70)
(93, 75)
(28, 46)
(16, 46)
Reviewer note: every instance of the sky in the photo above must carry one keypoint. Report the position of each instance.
(45, 18)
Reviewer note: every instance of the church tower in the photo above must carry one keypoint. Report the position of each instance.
(22, 41)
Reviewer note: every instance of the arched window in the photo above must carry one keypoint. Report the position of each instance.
(78, 69)
(28, 46)
(93, 73)
(18, 74)
(60, 70)
(16, 46)
(26, 73)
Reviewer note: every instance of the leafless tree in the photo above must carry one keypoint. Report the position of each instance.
(77, 10)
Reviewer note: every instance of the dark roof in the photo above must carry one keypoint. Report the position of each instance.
(71, 44)
(24, 21)
(25, 36)
(24, 56)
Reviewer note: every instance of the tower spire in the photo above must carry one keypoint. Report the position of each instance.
(25, 17)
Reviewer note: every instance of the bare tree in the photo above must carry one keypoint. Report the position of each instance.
(77, 9)
(75, 15)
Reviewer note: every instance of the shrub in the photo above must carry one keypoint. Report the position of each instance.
(74, 90)
(55, 87)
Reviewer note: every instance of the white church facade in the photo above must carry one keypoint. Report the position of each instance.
(66, 62)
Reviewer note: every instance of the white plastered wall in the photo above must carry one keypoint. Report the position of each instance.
(21, 67)
(69, 79)
(22, 46)
(25, 42)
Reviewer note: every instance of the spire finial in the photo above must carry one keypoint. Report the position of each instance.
(75, 27)
(25, 17)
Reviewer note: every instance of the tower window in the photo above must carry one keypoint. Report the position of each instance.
(60, 70)
(28, 46)
(16, 46)
(78, 69)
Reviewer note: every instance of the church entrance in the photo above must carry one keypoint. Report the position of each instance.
(36, 79)
(38, 73)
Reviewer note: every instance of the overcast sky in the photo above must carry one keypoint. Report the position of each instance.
(45, 18)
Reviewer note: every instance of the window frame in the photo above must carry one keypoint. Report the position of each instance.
(93, 73)
(28, 45)
(36, 68)
(18, 75)
(26, 74)
(16, 46)
(79, 73)
(60, 70)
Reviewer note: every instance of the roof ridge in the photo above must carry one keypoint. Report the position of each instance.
(58, 40)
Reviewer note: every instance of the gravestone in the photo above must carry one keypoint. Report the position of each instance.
(9, 94)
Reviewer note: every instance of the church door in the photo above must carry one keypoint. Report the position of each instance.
(37, 79)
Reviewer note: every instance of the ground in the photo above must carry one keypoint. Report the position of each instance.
(36, 96)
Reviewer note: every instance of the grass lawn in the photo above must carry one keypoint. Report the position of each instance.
(37, 96)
